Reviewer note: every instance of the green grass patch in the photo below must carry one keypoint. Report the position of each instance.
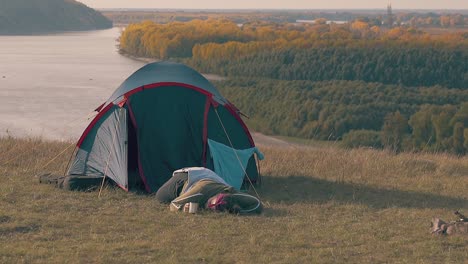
(323, 205)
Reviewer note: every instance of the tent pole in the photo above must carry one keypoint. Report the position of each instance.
(102, 185)
(258, 170)
(237, 156)
(105, 173)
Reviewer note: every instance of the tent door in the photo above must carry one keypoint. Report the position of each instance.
(134, 178)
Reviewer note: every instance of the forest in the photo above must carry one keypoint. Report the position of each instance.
(20, 17)
(356, 112)
(360, 83)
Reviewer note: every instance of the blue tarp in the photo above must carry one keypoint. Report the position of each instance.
(229, 163)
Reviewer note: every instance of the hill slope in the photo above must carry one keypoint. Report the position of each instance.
(41, 16)
(322, 205)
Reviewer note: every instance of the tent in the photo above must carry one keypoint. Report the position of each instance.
(159, 120)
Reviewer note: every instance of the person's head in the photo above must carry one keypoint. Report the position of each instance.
(223, 202)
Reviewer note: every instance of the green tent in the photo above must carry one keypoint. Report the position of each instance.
(160, 120)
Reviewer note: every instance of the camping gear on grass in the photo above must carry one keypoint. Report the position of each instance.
(72, 183)
(204, 187)
(160, 119)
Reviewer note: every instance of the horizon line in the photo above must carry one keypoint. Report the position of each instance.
(278, 9)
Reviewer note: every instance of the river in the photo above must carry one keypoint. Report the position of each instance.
(50, 84)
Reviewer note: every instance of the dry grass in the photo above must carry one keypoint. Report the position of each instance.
(324, 205)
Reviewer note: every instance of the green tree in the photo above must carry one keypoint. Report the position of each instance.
(458, 138)
(465, 136)
(461, 115)
(393, 131)
(443, 128)
(423, 133)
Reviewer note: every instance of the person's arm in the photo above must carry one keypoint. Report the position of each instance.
(172, 188)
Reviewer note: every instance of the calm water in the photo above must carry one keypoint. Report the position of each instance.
(50, 83)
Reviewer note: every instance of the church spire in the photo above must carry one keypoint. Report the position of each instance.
(390, 20)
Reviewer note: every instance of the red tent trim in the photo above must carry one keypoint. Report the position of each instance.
(231, 108)
(125, 189)
(91, 125)
(98, 109)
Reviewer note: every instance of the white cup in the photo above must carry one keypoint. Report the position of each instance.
(193, 208)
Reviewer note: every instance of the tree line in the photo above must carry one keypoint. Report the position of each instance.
(408, 66)
(356, 51)
(356, 112)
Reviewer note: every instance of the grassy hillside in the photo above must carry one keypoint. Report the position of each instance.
(324, 205)
(41, 16)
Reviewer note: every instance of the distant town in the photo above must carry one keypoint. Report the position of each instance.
(384, 16)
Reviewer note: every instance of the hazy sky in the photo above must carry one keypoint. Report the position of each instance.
(279, 4)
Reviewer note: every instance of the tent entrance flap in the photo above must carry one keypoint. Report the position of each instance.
(135, 180)
(104, 151)
(230, 163)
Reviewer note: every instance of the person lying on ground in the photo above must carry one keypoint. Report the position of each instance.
(210, 191)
